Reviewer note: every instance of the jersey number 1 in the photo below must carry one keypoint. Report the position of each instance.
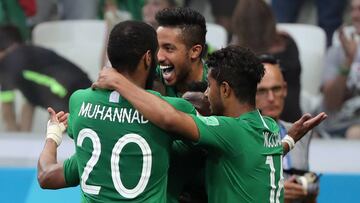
(273, 198)
(115, 159)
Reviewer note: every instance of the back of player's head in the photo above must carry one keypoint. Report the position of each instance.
(240, 68)
(191, 22)
(128, 42)
(9, 35)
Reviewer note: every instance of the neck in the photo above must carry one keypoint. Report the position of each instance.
(236, 109)
(195, 75)
(134, 78)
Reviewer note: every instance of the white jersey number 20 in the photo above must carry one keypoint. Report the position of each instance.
(115, 159)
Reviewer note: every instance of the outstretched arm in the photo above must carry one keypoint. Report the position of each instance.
(150, 106)
(50, 172)
(302, 126)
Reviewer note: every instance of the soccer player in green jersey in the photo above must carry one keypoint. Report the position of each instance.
(245, 150)
(120, 155)
(181, 35)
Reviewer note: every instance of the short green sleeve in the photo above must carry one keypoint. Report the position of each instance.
(71, 172)
(71, 112)
(215, 132)
(7, 96)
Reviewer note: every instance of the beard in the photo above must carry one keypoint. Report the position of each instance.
(216, 106)
(217, 110)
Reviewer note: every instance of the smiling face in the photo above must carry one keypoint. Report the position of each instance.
(173, 55)
(214, 97)
(271, 92)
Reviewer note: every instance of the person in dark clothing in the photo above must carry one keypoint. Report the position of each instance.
(43, 77)
(255, 27)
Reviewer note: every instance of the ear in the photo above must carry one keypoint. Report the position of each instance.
(195, 51)
(225, 89)
(147, 59)
(285, 89)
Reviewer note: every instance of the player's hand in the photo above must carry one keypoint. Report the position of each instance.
(293, 190)
(56, 125)
(304, 124)
(107, 79)
(200, 102)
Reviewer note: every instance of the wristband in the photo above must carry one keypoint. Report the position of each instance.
(54, 131)
(290, 141)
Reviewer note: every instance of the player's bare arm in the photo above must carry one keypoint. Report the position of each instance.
(151, 107)
(50, 172)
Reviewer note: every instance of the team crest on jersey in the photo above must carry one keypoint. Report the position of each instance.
(114, 97)
(210, 121)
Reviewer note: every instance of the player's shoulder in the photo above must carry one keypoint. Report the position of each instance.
(89, 93)
(82, 92)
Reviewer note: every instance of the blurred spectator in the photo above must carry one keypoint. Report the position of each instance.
(254, 27)
(43, 77)
(132, 7)
(222, 12)
(341, 83)
(78, 9)
(46, 10)
(270, 98)
(151, 7)
(329, 12)
(12, 12)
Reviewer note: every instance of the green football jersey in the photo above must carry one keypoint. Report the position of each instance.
(120, 155)
(171, 91)
(244, 163)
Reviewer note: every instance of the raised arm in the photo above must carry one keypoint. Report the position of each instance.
(150, 106)
(334, 89)
(50, 172)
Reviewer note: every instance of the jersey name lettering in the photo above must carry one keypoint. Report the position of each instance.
(113, 114)
(271, 139)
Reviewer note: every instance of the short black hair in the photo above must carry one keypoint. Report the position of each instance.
(128, 42)
(240, 68)
(191, 22)
(9, 35)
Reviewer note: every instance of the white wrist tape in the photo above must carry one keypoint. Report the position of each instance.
(290, 141)
(54, 131)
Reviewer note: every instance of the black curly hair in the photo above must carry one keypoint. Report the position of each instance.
(191, 22)
(128, 42)
(240, 68)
